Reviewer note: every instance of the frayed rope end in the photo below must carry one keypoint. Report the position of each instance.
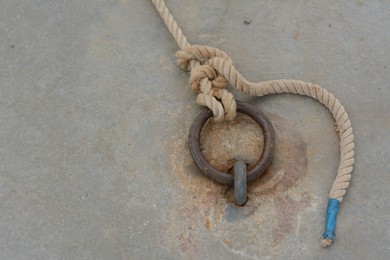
(326, 242)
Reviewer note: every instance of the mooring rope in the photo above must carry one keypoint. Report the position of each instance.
(210, 71)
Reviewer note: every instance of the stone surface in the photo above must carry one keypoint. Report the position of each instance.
(94, 116)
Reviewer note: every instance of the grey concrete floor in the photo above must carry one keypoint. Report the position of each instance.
(94, 116)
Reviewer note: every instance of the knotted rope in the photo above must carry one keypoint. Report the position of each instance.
(210, 71)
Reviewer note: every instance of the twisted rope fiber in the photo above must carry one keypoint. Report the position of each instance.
(210, 71)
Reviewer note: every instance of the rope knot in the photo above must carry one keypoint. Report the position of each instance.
(198, 53)
(203, 73)
(207, 80)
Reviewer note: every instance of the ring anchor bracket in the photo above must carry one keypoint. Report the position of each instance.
(241, 176)
(240, 196)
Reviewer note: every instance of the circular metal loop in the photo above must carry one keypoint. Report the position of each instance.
(223, 177)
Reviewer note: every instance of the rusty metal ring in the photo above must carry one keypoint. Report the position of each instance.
(222, 177)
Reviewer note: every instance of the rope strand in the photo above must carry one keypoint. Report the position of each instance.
(210, 71)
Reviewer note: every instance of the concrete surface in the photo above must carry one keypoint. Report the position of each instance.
(94, 117)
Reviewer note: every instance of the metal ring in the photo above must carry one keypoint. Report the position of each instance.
(223, 177)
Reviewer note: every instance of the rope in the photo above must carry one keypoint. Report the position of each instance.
(210, 71)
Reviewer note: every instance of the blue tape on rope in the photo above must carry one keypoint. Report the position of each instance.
(331, 215)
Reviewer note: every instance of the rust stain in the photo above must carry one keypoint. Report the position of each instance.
(224, 142)
(203, 205)
(296, 35)
(208, 223)
(289, 164)
(189, 244)
(286, 212)
(198, 203)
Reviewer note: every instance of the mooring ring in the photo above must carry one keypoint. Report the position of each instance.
(223, 177)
